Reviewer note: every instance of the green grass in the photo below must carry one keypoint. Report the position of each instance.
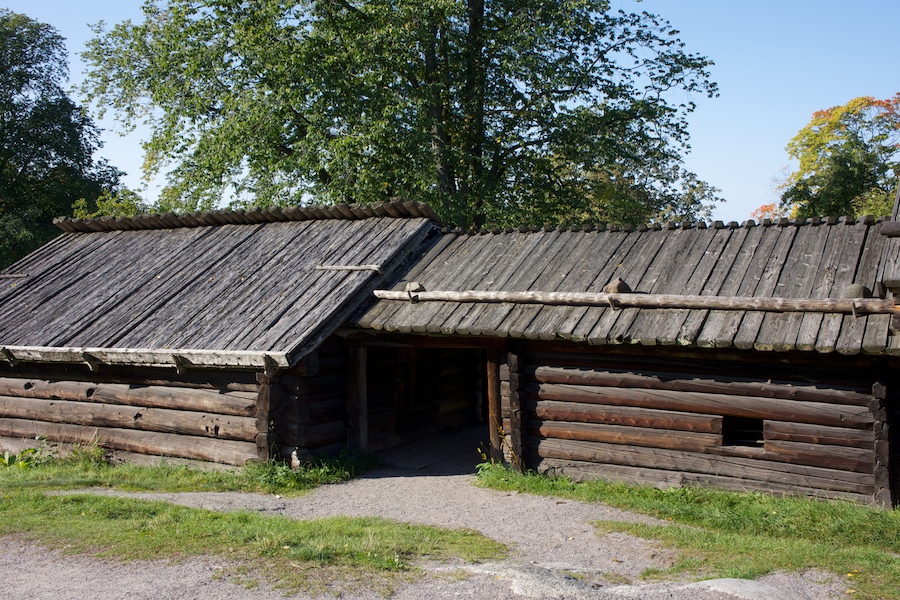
(324, 554)
(291, 554)
(725, 534)
(85, 467)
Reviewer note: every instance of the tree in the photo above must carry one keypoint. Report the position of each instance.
(46, 141)
(491, 110)
(848, 159)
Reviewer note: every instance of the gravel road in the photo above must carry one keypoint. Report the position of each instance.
(552, 539)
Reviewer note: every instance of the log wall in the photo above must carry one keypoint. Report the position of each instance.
(211, 416)
(648, 417)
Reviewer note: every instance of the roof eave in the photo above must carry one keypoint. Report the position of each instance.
(180, 359)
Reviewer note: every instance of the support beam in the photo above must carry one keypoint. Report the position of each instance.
(356, 399)
(493, 398)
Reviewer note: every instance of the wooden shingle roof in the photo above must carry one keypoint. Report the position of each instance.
(816, 258)
(224, 289)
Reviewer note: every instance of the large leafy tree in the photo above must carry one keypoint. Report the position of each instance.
(491, 110)
(848, 160)
(46, 141)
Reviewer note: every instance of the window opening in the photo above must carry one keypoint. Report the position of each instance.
(741, 431)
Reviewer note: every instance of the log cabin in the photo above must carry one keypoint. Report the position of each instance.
(747, 357)
(742, 356)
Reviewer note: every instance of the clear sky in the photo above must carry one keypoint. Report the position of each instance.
(776, 63)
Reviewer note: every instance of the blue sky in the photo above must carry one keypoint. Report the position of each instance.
(776, 63)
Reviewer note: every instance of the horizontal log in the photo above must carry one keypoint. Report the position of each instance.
(582, 471)
(637, 300)
(719, 404)
(331, 409)
(549, 410)
(631, 436)
(685, 382)
(226, 427)
(232, 381)
(224, 403)
(227, 452)
(692, 462)
(822, 455)
(818, 434)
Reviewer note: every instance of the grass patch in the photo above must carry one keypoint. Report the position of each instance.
(726, 534)
(85, 467)
(292, 554)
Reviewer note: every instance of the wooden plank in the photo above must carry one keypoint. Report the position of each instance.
(829, 328)
(625, 435)
(824, 280)
(511, 251)
(666, 259)
(150, 396)
(688, 382)
(547, 274)
(585, 276)
(857, 417)
(853, 328)
(92, 414)
(143, 442)
(733, 240)
(695, 462)
(818, 434)
(652, 326)
(581, 470)
(801, 277)
(875, 338)
(608, 414)
(492, 378)
(625, 262)
(344, 300)
(746, 331)
(468, 252)
(383, 312)
(357, 402)
(740, 280)
(520, 275)
(820, 455)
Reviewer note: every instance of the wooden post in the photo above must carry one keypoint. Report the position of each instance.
(493, 400)
(263, 402)
(356, 399)
(516, 426)
(881, 428)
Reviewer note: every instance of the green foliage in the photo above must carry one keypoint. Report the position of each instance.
(293, 554)
(727, 534)
(123, 203)
(849, 160)
(46, 141)
(502, 112)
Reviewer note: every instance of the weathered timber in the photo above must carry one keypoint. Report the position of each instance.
(739, 303)
(357, 403)
(494, 402)
(818, 434)
(581, 471)
(549, 410)
(693, 462)
(721, 404)
(263, 406)
(127, 417)
(686, 382)
(821, 455)
(228, 452)
(221, 381)
(884, 491)
(627, 435)
(331, 408)
(326, 434)
(516, 417)
(144, 396)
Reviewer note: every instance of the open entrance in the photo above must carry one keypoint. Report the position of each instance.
(414, 395)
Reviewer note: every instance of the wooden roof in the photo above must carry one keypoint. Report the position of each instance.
(225, 289)
(816, 258)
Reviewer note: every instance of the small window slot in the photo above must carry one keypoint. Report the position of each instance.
(741, 431)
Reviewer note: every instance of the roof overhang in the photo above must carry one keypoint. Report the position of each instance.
(180, 359)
